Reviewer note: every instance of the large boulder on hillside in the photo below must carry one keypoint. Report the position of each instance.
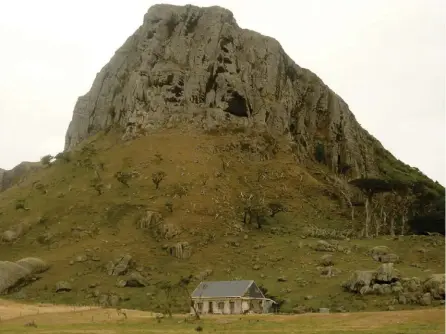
(63, 286)
(120, 266)
(13, 275)
(378, 253)
(180, 250)
(34, 265)
(324, 246)
(435, 285)
(15, 232)
(360, 281)
(154, 223)
(386, 273)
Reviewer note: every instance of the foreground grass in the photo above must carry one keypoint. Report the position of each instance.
(403, 322)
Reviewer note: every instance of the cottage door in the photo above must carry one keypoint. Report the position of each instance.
(211, 307)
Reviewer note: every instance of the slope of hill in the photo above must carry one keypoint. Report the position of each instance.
(194, 127)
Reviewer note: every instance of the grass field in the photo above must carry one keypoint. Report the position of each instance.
(67, 319)
(68, 219)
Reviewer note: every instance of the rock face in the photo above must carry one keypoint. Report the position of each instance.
(195, 66)
(9, 178)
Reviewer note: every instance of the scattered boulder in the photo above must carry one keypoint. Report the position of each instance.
(435, 285)
(324, 246)
(327, 260)
(11, 274)
(120, 266)
(46, 238)
(390, 258)
(154, 222)
(34, 265)
(181, 250)
(137, 280)
(14, 275)
(149, 219)
(330, 271)
(386, 273)
(81, 258)
(360, 281)
(412, 284)
(9, 236)
(425, 299)
(15, 232)
(379, 252)
(63, 286)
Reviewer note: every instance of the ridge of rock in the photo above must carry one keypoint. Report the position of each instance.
(196, 66)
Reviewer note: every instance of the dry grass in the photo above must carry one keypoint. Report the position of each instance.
(209, 215)
(63, 319)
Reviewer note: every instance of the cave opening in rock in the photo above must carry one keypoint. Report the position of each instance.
(237, 105)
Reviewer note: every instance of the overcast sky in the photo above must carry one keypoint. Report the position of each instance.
(386, 58)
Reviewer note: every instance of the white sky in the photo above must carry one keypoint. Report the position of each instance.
(385, 58)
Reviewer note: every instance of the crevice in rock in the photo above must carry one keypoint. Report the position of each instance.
(237, 105)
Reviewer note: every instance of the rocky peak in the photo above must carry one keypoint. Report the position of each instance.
(195, 66)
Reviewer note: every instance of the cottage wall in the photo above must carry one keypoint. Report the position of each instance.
(238, 308)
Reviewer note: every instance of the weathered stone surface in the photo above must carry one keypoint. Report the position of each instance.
(181, 250)
(378, 252)
(63, 286)
(327, 260)
(435, 285)
(197, 66)
(324, 246)
(386, 273)
(119, 266)
(9, 178)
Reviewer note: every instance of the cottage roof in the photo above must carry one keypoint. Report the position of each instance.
(223, 289)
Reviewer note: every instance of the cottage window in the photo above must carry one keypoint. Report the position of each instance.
(221, 305)
(200, 307)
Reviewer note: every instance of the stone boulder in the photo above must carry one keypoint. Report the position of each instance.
(180, 250)
(324, 246)
(435, 285)
(154, 223)
(386, 273)
(14, 275)
(136, 280)
(379, 252)
(15, 232)
(63, 286)
(360, 281)
(326, 260)
(120, 266)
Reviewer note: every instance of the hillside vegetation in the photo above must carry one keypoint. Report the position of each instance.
(117, 219)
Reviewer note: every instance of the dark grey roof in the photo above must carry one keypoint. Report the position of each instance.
(222, 289)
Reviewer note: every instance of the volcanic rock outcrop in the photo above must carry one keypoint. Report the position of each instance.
(195, 66)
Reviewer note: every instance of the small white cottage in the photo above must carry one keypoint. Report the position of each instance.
(229, 297)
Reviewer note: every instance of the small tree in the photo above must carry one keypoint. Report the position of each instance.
(63, 156)
(46, 160)
(180, 190)
(157, 177)
(370, 187)
(169, 206)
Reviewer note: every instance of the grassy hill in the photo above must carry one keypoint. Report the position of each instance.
(80, 218)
